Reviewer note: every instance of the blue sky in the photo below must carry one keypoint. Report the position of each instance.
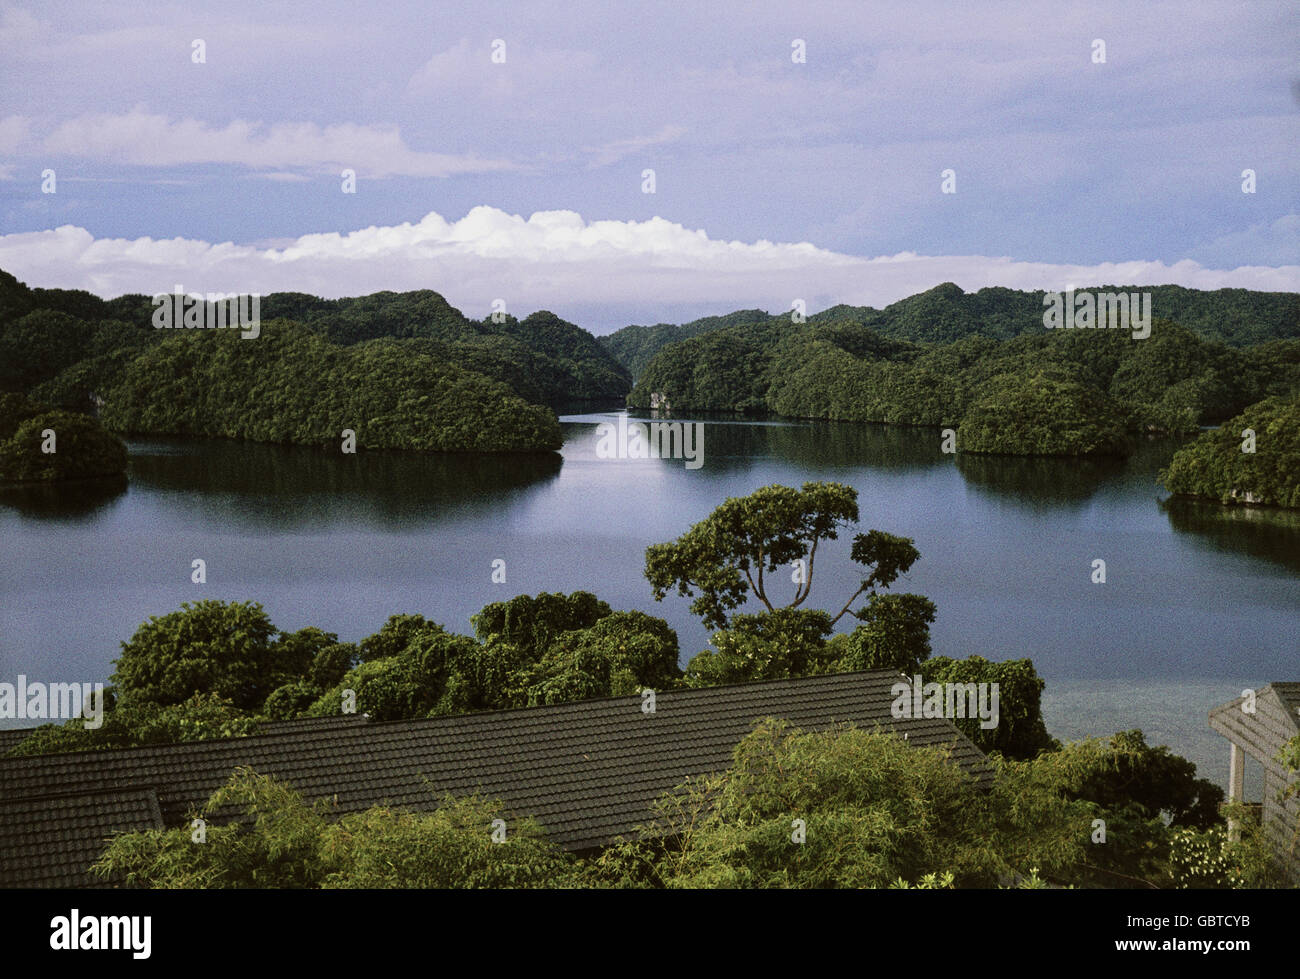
(774, 179)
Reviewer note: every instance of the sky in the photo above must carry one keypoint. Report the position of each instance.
(501, 150)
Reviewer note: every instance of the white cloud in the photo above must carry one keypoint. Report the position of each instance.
(144, 139)
(467, 67)
(556, 260)
(1271, 241)
(14, 133)
(282, 176)
(617, 150)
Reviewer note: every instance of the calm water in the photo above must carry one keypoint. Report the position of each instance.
(1198, 603)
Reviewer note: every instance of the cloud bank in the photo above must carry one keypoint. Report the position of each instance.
(614, 271)
(141, 138)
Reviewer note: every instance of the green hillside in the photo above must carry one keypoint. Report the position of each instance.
(1235, 317)
(403, 370)
(847, 365)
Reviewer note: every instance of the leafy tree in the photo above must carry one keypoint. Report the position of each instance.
(531, 624)
(451, 847)
(1216, 467)
(296, 652)
(277, 845)
(290, 700)
(329, 664)
(395, 635)
(873, 809)
(1143, 796)
(1210, 858)
(203, 717)
(282, 841)
(784, 643)
(204, 647)
(895, 635)
(436, 674)
(1020, 732)
(621, 654)
(726, 556)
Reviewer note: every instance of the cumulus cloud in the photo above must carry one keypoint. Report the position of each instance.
(142, 138)
(556, 260)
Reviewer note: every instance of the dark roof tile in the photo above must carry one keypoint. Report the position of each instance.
(588, 771)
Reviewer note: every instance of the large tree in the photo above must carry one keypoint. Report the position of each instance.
(847, 808)
(729, 556)
(204, 647)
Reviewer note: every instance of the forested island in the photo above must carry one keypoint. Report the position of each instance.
(398, 370)
(1252, 458)
(983, 364)
(40, 445)
(407, 371)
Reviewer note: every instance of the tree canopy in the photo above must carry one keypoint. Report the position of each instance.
(729, 556)
(937, 358)
(42, 445)
(401, 370)
(1252, 458)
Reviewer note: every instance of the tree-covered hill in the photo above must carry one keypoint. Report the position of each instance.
(1252, 458)
(403, 370)
(1235, 317)
(292, 385)
(543, 357)
(39, 445)
(635, 346)
(836, 367)
(1040, 415)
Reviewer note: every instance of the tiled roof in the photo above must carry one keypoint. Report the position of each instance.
(588, 771)
(51, 841)
(10, 738)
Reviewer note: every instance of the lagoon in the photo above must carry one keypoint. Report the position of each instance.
(1199, 602)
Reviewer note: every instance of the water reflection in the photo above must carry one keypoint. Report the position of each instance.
(80, 499)
(734, 445)
(829, 444)
(1260, 532)
(272, 486)
(1035, 481)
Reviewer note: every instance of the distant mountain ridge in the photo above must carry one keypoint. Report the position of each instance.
(945, 358)
(1236, 317)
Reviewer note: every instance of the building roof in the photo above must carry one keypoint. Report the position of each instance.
(10, 737)
(1275, 720)
(588, 771)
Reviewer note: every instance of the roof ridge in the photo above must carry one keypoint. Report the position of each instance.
(371, 723)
